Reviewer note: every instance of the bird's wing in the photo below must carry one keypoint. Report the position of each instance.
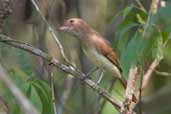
(103, 47)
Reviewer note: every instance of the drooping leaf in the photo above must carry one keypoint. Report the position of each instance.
(43, 91)
(132, 53)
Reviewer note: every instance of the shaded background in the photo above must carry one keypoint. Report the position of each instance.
(136, 29)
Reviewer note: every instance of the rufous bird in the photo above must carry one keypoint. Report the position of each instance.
(95, 47)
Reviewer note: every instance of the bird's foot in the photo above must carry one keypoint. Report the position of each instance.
(88, 75)
(92, 71)
(100, 77)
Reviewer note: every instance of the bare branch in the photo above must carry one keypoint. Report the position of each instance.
(166, 74)
(51, 30)
(27, 107)
(148, 74)
(66, 68)
(131, 82)
(129, 103)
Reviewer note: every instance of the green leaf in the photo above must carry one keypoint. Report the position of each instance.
(123, 37)
(127, 10)
(140, 19)
(28, 91)
(132, 53)
(32, 94)
(43, 91)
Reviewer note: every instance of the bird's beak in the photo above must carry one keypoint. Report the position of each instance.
(63, 28)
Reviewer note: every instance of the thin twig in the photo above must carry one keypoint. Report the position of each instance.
(167, 40)
(26, 105)
(148, 74)
(166, 74)
(52, 85)
(140, 6)
(66, 68)
(51, 30)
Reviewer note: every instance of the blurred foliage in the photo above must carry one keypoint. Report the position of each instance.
(139, 37)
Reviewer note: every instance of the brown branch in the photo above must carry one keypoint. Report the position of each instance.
(66, 68)
(27, 107)
(129, 103)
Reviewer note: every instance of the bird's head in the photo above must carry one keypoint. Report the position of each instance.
(76, 27)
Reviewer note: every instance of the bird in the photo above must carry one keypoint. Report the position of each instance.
(97, 49)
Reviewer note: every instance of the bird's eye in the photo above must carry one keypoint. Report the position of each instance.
(71, 21)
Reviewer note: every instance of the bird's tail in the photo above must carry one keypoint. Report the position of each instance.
(121, 78)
